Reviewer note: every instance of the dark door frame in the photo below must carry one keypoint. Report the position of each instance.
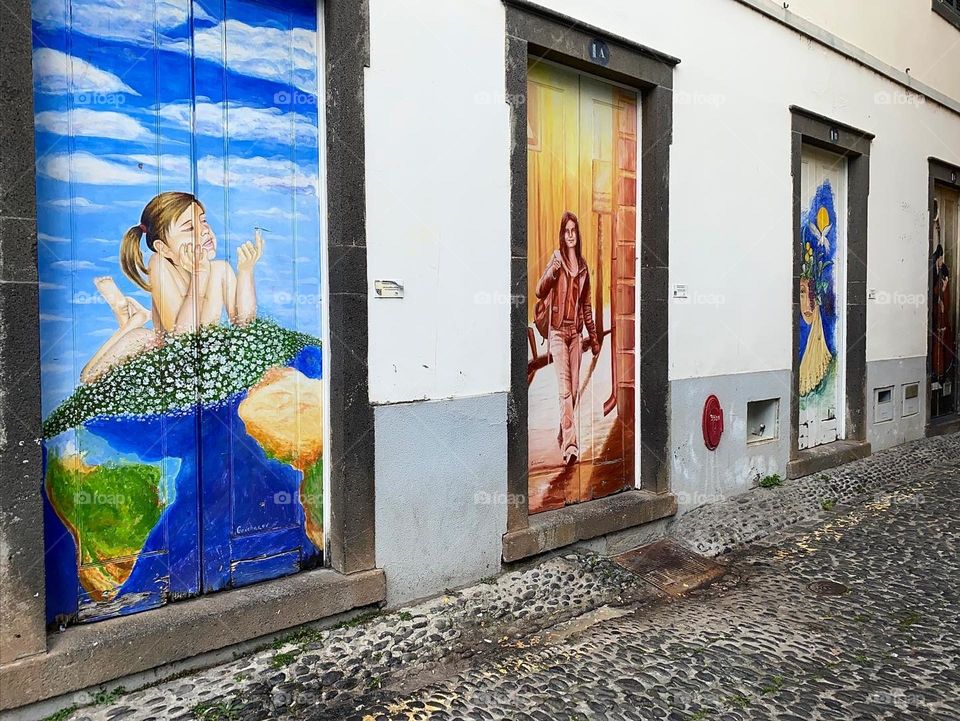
(535, 32)
(34, 666)
(812, 129)
(942, 174)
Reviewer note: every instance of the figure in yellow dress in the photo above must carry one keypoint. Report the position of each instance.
(816, 355)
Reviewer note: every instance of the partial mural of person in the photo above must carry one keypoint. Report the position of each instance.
(188, 286)
(565, 288)
(944, 354)
(581, 287)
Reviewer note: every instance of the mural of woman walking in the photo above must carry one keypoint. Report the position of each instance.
(565, 287)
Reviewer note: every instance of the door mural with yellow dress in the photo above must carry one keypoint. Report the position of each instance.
(821, 310)
(180, 267)
(581, 269)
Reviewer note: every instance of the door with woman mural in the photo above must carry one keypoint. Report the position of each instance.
(822, 347)
(944, 255)
(582, 286)
(178, 156)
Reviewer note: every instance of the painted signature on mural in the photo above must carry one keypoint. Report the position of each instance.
(245, 530)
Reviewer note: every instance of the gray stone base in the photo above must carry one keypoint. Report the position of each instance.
(700, 476)
(441, 501)
(85, 656)
(822, 458)
(554, 529)
(895, 374)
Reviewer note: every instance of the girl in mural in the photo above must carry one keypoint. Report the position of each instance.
(188, 287)
(566, 280)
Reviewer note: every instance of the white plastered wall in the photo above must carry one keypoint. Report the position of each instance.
(438, 187)
(438, 205)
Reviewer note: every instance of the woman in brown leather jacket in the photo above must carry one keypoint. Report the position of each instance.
(566, 281)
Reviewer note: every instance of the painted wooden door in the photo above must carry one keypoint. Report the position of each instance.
(822, 346)
(944, 256)
(581, 173)
(180, 257)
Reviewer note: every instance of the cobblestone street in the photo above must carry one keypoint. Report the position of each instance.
(577, 637)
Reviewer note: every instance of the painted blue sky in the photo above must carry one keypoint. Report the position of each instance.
(136, 98)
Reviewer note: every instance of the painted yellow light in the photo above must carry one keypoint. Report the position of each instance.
(823, 219)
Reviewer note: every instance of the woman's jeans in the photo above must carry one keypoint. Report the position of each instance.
(566, 348)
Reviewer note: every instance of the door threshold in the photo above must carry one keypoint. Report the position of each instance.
(943, 425)
(830, 455)
(92, 654)
(550, 530)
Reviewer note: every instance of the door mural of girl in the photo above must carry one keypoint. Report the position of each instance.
(581, 263)
(182, 365)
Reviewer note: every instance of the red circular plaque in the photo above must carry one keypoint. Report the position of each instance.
(712, 422)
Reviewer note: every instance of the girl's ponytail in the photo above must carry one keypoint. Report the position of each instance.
(157, 216)
(131, 257)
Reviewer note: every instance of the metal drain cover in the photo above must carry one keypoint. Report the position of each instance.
(828, 588)
(670, 567)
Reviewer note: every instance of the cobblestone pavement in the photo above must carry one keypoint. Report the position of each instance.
(763, 643)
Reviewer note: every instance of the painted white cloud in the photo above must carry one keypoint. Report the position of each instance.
(47, 317)
(140, 169)
(86, 168)
(129, 20)
(257, 172)
(102, 333)
(77, 205)
(283, 56)
(243, 122)
(271, 213)
(92, 124)
(56, 368)
(57, 72)
(75, 265)
(47, 238)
